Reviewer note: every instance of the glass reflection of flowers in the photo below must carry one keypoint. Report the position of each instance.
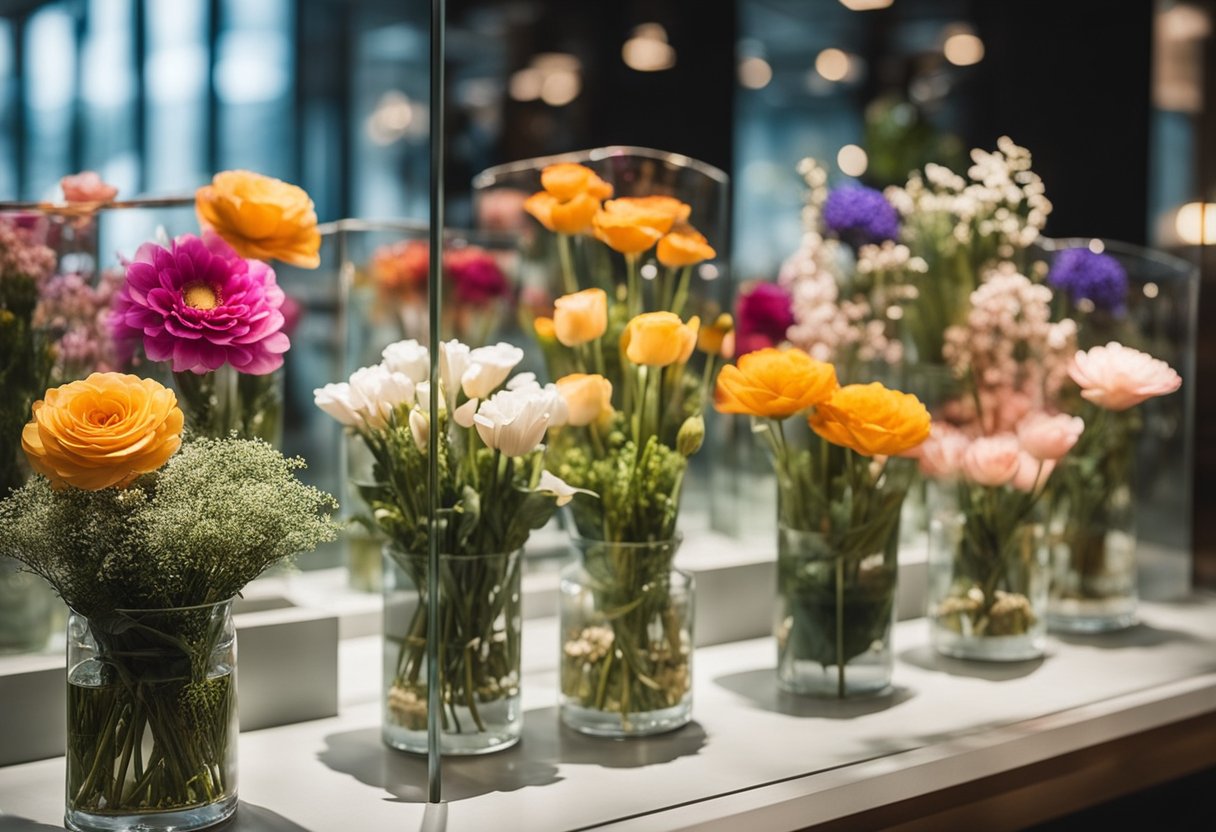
(476, 289)
(494, 490)
(214, 314)
(839, 507)
(138, 533)
(623, 355)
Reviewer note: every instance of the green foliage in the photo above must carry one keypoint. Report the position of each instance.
(216, 516)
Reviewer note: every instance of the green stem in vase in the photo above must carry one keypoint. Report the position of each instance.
(569, 281)
(840, 689)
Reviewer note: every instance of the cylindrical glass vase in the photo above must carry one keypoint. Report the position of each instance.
(223, 402)
(987, 592)
(626, 639)
(151, 719)
(834, 615)
(479, 649)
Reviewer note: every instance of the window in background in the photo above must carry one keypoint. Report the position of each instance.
(109, 93)
(8, 109)
(176, 70)
(50, 74)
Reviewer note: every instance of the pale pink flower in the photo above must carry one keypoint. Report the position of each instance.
(1116, 377)
(992, 460)
(941, 455)
(1032, 474)
(87, 186)
(1050, 437)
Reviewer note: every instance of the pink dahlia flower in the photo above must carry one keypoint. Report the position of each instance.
(200, 305)
(1116, 377)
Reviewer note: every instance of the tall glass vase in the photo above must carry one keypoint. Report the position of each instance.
(479, 649)
(151, 719)
(224, 401)
(626, 622)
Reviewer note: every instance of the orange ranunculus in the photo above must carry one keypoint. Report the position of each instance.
(540, 205)
(574, 216)
(580, 317)
(872, 420)
(624, 233)
(262, 218)
(774, 383)
(684, 247)
(712, 337)
(688, 339)
(588, 398)
(665, 206)
(655, 339)
(566, 180)
(103, 431)
(545, 329)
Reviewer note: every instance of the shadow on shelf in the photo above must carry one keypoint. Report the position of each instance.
(545, 745)
(248, 818)
(926, 658)
(760, 688)
(1138, 635)
(12, 823)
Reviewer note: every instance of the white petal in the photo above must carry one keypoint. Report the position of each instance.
(554, 484)
(465, 413)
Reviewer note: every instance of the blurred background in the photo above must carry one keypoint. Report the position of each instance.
(1112, 99)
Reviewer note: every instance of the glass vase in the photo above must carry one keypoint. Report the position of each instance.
(626, 639)
(224, 401)
(151, 719)
(834, 615)
(479, 648)
(987, 592)
(27, 609)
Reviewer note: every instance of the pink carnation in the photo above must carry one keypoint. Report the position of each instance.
(87, 187)
(1050, 437)
(992, 460)
(1116, 377)
(200, 305)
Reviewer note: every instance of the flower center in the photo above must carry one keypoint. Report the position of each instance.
(200, 296)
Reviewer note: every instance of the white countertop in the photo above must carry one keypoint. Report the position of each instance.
(752, 758)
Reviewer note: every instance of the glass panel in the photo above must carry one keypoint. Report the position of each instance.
(176, 71)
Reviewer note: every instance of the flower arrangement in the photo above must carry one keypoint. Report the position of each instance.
(838, 511)
(623, 354)
(494, 490)
(212, 311)
(147, 538)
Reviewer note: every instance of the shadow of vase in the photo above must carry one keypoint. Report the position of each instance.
(759, 687)
(926, 658)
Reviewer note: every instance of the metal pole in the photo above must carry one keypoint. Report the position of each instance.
(433, 724)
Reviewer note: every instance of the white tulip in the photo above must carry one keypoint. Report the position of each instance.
(408, 357)
(376, 391)
(335, 400)
(465, 413)
(553, 484)
(559, 411)
(514, 421)
(488, 368)
(523, 380)
(422, 396)
(453, 363)
(420, 428)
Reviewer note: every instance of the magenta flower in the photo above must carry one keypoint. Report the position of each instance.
(476, 275)
(200, 305)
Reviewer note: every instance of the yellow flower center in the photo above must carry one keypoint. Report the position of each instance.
(200, 296)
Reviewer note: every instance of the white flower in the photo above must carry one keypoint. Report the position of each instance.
(408, 357)
(514, 421)
(420, 427)
(422, 396)
(335, 400)
(453, 362)
(523, 380)
(559, 411)
(464, 414)
(488, 368)
(555, 485)
(368, 399)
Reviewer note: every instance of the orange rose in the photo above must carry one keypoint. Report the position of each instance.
(872, 420)
(774, 383)
(684, 247)
(656, 339)
(567, 180)
(103, 431)
(261, 217)
(580, 317)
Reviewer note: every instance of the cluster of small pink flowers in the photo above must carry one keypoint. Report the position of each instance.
(834, 319)
(79, 312)
(1017, 357)
(22, 255)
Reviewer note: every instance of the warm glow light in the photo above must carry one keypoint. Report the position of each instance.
(832, 64)
(708, 271)
(755, 73)
(865, 5)
(648, 49)
(391, 119)
(1151, 290)
(852, 160)
(560, 88)
(525, 84)
(649, 272)
(1196, 223)
(964, 49)
(1097, 246)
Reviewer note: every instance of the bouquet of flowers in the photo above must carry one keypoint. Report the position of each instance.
(211, 308)
(494, 490)
(838, 511)
(623, 353)
(147, 539)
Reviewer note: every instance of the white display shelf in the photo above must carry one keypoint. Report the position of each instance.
(753, 759)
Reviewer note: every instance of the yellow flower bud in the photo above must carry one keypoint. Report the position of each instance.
(655, 339)
(580, 317)
(691, 435)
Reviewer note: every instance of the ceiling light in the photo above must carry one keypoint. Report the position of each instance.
(755, 73)
(832, 64)
(964, 49)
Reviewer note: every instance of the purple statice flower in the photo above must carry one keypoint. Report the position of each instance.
(200, 305)
(860, 215)
(1086, 275)
(764, 314)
